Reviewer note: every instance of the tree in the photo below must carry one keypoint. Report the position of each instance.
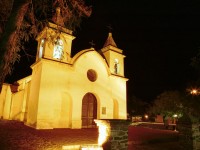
(191, 105)
(10, 28)
(21, 20)
(195, 62)
(167, 104)
(137, 106)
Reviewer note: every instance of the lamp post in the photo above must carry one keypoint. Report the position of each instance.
(175, 119)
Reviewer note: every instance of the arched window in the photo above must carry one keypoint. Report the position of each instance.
(58, 49)
(116, 66)
(41, 48)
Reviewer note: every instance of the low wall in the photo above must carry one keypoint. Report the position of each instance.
(189, 136)
(117, 138)
(155, 125)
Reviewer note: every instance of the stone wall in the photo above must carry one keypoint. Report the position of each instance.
(118, 134)
(189, 135)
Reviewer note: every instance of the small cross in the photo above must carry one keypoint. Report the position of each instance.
(109, 27)
(92, 43)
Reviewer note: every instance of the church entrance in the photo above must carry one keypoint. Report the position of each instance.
(89, 111)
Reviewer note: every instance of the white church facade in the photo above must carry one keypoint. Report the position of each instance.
(65, 91)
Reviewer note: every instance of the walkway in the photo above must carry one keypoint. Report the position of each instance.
(16, 136)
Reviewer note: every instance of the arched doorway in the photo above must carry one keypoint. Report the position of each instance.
(89, 111)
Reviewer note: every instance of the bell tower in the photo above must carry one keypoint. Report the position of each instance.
(52, 60)
(55, 41)
(113, 56)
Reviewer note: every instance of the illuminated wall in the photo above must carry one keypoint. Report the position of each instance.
(13, 104)
(5, 101)
(61, 88)
(19, 100)
(52, 96)
(34, 95)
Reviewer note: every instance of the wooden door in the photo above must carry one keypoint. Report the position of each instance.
(89, 111)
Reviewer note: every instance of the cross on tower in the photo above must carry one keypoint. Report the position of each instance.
(109, 27)
(92, 43)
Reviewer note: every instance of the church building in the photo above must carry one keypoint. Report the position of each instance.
(65, 91)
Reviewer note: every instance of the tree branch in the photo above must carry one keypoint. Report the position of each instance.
(9, 38)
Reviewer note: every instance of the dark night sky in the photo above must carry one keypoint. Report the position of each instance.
(159, 38)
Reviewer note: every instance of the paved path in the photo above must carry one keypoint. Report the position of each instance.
(16, 136)
(143, 138)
